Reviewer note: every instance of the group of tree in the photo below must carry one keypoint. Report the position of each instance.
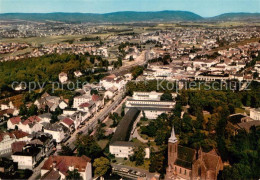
(151, 85)
(138, 156)
(166, 59)
(46, 68)
(195, 130)
(136, 71)
(88, 146)
(25, 111)
(115, 118)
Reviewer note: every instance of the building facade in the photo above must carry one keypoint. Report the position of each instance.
(149, 103)
(255, 114)
(187, 163)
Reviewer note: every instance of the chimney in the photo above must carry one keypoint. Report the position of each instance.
(54, 163)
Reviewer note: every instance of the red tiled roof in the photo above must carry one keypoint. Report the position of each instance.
(84, 105)
(10, 111)
(18, 146)
(19, 134)
(95, 97)
(4, 134)
(15, 120)
(68, 121)
(51, 175)
(31, 120)
(63, 163)
(109, 78)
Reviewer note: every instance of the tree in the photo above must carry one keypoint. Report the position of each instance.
(166, 97)
(73, 175)
(136, 71)
(33, 110)
(101, 165)
(131, 58)
(119, 60)
(65, 151)
(157, 162)
(86, 145)
(100, 134)
(138, 156)
(23, 110)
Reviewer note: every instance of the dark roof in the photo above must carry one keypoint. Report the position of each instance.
(29, 151)
(248, 125)
(123, 143)
(236, 118)
(124, 127)
(51, 175)
(185, 157)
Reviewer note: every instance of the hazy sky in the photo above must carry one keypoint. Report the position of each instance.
(205, 8)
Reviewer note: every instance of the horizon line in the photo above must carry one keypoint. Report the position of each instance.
(127, 11)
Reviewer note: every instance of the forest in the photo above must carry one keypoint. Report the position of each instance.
(47, 68)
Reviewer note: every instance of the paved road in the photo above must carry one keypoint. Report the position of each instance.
(92, 123)
(37, 171)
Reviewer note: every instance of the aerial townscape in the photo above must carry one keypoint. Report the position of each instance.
(129, 95)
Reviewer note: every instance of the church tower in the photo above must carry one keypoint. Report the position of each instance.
(172, 149)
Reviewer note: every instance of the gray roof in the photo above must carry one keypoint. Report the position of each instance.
(124, 127)
(122, 143)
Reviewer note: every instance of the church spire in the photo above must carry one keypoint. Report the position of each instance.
(173, 138)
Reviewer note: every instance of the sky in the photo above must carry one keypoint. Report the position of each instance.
(205, 8)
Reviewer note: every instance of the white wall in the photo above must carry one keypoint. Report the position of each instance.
(24, 162)
(121, 151)
(255, 114)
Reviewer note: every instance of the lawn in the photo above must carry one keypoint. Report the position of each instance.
(239, 110)
(103, 143)
(122, 161)
(3, 127)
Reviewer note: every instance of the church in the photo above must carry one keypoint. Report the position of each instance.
(188, 163)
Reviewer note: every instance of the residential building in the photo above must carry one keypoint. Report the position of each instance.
(8, 138)
(28, 157)
(56, 130)
(111, 80)
(57, 167)
(63, 77)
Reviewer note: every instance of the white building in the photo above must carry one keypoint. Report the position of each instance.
(158, 72)
(125, 149)
(63, 77)
(7, 106)
(28, 157)
(56, 130)
(77, 74)
(255, 114)
(30, 125)
(6, 140)
(149, 103)
(111, 80)
(78, 100)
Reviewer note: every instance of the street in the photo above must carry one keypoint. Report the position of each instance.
(92, 123)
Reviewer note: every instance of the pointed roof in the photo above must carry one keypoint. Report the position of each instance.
(173, 138)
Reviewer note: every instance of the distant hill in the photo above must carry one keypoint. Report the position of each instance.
(237, 17)
(115, 17)
(128, 16)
